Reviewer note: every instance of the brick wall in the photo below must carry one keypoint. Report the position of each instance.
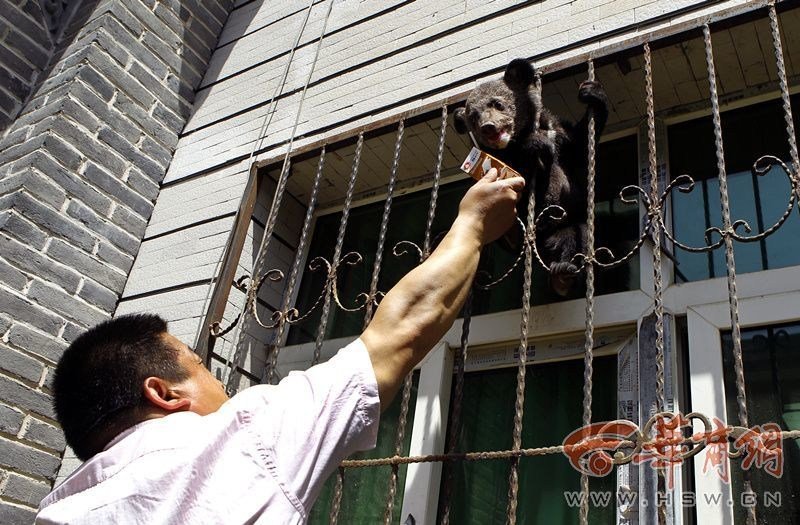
(81, 163)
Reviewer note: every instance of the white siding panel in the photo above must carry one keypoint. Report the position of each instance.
(473, 50)
(211, 195)
(179, 258)
(181, 308)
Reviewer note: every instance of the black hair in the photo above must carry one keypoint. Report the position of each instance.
(98, 380)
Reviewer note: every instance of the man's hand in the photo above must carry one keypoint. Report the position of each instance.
(490, 205)
(417, 312)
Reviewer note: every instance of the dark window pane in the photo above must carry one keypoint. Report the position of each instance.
(771, 358)
(553, 408)
(748, 134)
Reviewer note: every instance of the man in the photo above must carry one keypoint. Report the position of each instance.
(163, 444)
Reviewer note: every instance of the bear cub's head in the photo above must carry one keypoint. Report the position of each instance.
(500, 111)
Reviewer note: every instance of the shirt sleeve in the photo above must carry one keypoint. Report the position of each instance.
(312, 420)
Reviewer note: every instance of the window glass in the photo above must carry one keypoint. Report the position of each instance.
(771, 357)
(617, 226)
(365, 489)
(748, 134)
(552, 409)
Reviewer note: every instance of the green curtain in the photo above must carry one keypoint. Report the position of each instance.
(365, 489)
(552, 409)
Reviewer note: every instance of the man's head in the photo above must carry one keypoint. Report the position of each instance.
(122, 372)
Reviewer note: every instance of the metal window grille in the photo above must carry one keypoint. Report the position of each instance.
(652, 198)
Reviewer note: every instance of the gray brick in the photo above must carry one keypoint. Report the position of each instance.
(46, 435)
(86, 264)
(121, 36)
(28, 459)
(163, 50)
(25, 490)
(157, 152)
(67, 305)
(115, 187)
(27, 46)
(10, 419)
(52, 221)
(74, 184)
(130, 221)
(16, 64)
(103, 228)
(24, 397)
(150, 125)
(23, 230)
(143, 184)
(13, 514)
(99, 296)
(98, 107)
(97, 82)
(5, 323)
(19, 151)
(20, 365)
(89, 146)
(34, 183)
(48, 347)
(67, 155)
(172, 121)
(48, 379)
(19, 308)
(114, 257)
(81, 115)
(11, 277)
(129, 152)
(120, 78)
(71, 332)
(164, 95)
(13, 84)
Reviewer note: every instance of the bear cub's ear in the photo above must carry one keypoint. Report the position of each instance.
(460, 121)
(519, 74)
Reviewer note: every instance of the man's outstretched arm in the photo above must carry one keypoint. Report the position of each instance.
(418, 310)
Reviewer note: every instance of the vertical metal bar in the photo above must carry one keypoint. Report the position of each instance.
(426, 247)
(727, 230)
(337, 252)
(656, 227)
(290, 286)
(387, 207)
(522, 359)
(784, 86)
(336, 504)
(455, 413)
(589, 337)
(371, 300)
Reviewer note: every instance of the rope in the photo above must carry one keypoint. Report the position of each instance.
(455, 414)
(589, 342)
(657, 224)
(266, 121)
(337, 252)
(736, 335)
(336, 504)
(289, 292)
(426, 247)
(276, 203)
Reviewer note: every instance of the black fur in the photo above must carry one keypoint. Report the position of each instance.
(509, 122)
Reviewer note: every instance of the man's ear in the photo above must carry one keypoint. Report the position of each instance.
(161, 394)
(460, 121)
(519, 74)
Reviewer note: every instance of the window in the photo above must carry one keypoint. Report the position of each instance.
(748, 134)
(771, 358)
(617, 227)
(553, 409)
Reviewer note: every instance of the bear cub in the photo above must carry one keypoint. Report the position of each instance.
(507, 119)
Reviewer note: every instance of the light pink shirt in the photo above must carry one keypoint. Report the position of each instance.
(261, 458)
